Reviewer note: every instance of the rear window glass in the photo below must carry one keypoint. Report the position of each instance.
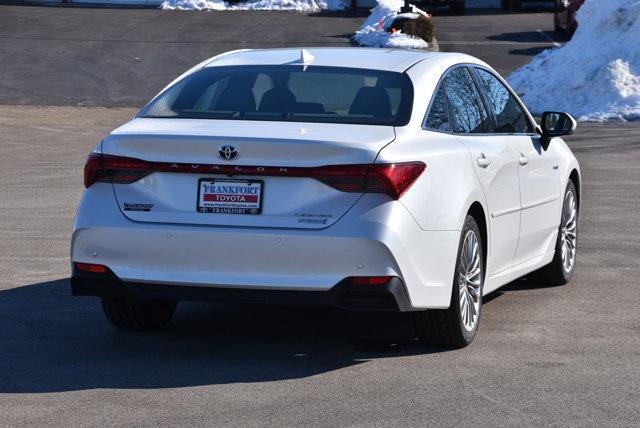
(288, 93)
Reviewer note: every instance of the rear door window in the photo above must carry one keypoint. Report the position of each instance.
(510, 116)
(467, 109)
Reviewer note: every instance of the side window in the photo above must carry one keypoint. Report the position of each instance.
(438, 117)
(510, 117)
(468, 111)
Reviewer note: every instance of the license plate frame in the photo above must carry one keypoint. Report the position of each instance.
(227, 207)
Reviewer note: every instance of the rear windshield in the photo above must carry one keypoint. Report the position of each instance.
(288, 93)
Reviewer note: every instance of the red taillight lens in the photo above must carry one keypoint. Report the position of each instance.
(393, 179)
(92, 168)
(370, 280)
(346, 178)
(115, 169)
(91, 268)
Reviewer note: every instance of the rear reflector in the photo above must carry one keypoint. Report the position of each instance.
(91, 268)
(370, 280)
(394, 179)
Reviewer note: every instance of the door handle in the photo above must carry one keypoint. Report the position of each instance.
(483, 161)
(522, 160)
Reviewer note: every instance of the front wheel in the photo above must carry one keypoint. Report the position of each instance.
(560, 270)
(456, 326)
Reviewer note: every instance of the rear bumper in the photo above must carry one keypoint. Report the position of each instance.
(391, 296)
(376, 237)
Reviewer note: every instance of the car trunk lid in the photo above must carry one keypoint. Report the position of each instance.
(273, 178)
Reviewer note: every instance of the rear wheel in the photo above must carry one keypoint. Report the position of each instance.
(560, 270)
(556, 24)
(138, 315)
(456, 326)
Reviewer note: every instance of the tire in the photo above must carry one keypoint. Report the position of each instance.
(457, 7)
(446, 327)
(138, 315)
(556, 25)
(560, 271)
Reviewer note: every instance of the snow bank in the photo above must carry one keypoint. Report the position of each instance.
(595, 76)
(375, 29)
(290, 5)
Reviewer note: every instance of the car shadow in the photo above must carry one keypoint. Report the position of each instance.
(357, 13)
(52, 342)
(530, 282)
(530, 37)
(444, 11)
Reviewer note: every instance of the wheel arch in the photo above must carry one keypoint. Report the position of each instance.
(476, 210)
(574, 176)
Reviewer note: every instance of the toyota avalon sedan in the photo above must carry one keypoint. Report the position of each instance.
(368, 179)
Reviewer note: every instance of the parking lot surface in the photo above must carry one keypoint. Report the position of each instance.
(544, 355)
(123, 57)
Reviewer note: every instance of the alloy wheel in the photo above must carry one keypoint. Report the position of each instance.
(569, 231)
(470, 281)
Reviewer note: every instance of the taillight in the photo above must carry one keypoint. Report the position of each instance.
(393, 179)
(115, 169)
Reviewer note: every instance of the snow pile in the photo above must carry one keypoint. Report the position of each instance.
(595, 76)
(290, 5)
(375, 29)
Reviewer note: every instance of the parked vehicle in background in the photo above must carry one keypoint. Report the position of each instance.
(516, 4)
(564, 20)
(456, 6)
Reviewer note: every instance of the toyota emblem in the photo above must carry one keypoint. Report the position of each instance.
(227, 152)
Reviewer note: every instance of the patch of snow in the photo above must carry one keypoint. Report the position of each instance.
(375, 29)
(289, 5)
(596, 75)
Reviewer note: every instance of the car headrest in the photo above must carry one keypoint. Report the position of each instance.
(371, 102)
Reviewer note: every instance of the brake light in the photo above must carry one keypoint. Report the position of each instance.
(91, 268)
(115, 169)
(370, 280)
(393, 179)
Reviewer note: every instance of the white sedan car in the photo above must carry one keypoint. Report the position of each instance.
(369, 179)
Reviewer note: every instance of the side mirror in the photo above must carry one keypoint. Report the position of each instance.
(556, 124)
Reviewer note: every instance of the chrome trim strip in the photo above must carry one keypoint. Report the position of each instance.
(541, 202)
(505, 212)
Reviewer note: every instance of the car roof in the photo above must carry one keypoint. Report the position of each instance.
(397, 60)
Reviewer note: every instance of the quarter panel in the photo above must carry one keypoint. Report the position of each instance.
(441, 196)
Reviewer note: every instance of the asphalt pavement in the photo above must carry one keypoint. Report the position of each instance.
(123, 57)
(544, 355)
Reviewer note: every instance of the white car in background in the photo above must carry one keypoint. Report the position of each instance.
(369, 179)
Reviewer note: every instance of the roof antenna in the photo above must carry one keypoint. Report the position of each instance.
(306, 58)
